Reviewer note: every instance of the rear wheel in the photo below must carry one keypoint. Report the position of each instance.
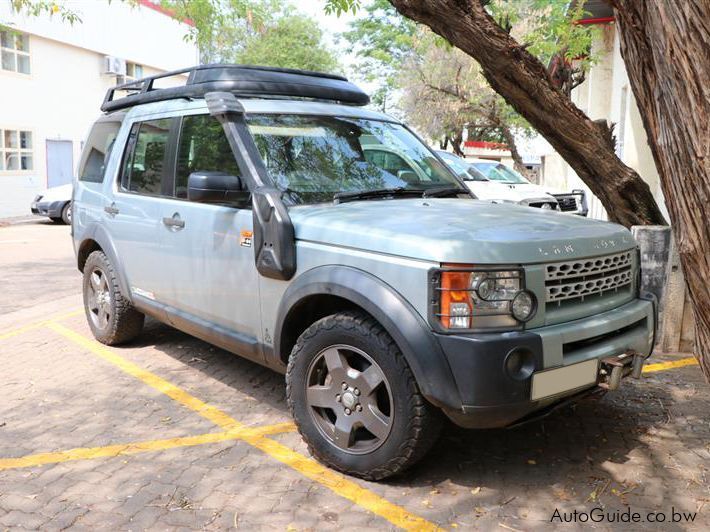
(355, 400)
(111, 317)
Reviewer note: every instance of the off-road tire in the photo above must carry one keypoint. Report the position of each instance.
(125, 322)
(416, 424)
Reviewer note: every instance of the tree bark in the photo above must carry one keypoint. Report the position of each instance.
(456, 142)
(513, 147)
(525, 84)
(665, 46)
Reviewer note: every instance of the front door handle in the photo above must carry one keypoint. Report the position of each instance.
(111, 209)
(174, 222)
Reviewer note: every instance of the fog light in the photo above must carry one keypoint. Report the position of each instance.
(523, 306)
(519, 363)
(546, 206)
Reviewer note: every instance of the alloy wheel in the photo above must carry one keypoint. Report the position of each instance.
(349, 399)
(99, 300)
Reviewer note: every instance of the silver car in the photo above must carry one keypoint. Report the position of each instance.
(268, 212)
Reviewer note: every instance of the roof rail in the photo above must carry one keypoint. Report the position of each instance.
(242, 80)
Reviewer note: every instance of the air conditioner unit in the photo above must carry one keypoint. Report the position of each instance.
(114, 66)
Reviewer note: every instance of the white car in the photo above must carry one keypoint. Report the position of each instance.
(55, 203)
(491, 180)
(570, 202)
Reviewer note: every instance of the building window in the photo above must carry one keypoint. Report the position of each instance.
(133, 71)
(15, 51)
(15, 150)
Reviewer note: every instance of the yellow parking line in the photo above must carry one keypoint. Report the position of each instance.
(88, 453)
(215, 415)
(311, 469)
(341, 485)
(661, 366)
(37, 325)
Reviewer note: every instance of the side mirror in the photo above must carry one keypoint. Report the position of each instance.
(215, 187)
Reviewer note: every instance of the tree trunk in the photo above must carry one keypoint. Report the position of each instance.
(513, 147)
(525, 84)
(456, 143)
(665, 47)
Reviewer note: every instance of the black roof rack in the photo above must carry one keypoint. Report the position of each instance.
(242, 80)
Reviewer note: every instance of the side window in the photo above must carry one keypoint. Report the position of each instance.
(97, 150)
(144, 160)
(203, 147)
(391, 162)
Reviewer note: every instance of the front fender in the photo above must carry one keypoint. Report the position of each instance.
(406, 327)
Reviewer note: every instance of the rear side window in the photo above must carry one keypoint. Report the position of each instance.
(144, 160)
(97, 150)
(203, 147)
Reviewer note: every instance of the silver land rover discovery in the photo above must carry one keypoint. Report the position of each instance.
(268, 212)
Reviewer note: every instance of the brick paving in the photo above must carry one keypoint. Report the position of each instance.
(644, 448)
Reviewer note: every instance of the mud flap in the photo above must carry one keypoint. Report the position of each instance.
(274, 236)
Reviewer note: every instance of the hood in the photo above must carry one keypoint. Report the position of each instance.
(458, 230)
(488, 190)
(60, 193)
(491, 190)
(527, 191)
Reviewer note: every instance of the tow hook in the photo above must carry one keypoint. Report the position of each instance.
(615, 368)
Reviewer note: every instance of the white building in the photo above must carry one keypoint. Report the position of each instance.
(606, 94)
(53, 78)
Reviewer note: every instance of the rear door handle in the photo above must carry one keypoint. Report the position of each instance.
(111, 209)
(174, 222)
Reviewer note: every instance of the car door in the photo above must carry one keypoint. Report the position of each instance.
(207, 254)
(132, 213)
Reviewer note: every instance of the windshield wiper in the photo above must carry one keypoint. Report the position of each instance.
(342, 197)
(441, 192)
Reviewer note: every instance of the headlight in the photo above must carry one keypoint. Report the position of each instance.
(475, 298)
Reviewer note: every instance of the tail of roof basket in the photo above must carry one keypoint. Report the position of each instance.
(242, 80)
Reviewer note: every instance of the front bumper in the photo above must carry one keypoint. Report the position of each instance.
(496, 391)
(52, 209)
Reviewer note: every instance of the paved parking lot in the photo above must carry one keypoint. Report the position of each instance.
(171, 433)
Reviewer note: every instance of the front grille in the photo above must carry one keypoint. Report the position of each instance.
(567, 203)
(580, 279)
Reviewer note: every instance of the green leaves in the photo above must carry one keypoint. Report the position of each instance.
(291, 41)
(52, 8)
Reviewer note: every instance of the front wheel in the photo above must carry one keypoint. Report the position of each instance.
(354, 398)
(66, 213)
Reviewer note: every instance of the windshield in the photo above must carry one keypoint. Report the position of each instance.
(496, 171)
(312, 158)
(463, 169)
(456, 163)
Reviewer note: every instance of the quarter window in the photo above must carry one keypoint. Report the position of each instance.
(97, 150)
(144, 161)
(15, 51)
(203, 147)
(16, 150)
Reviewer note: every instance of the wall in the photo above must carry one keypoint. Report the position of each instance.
(606, 94)
(135, 33)
(62, 95)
